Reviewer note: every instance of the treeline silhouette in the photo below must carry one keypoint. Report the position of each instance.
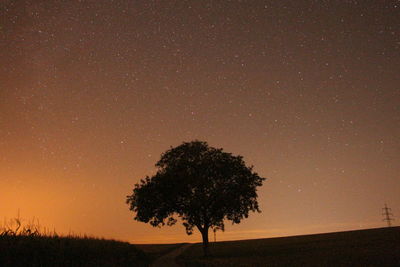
(32, 245)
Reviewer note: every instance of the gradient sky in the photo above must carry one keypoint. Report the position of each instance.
(92, 92)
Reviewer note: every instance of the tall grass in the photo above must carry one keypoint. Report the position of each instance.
(30, 244)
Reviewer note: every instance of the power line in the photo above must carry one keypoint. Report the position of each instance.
(387, 213)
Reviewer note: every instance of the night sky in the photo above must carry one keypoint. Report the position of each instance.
(92, 92)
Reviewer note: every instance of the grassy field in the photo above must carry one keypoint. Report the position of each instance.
(23, 250)
(25, 243)
(30, 245)
(372, 247)
(26, 246)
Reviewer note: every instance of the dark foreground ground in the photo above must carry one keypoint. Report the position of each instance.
(372, 247)
(154, 251)
(25, 250)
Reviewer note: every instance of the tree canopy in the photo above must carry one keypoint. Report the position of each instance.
(201, 185)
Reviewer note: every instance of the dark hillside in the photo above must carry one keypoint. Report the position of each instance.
(372, 247)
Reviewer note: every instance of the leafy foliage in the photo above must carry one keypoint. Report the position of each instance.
(201, 185)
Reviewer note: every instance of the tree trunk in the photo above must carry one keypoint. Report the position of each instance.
(204, 234)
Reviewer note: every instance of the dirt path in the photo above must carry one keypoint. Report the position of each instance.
(169, 258)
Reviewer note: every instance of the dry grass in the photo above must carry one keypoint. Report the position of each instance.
(32, 245)
(373, 247)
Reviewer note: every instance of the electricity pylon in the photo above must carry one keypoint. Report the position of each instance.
(387, 213)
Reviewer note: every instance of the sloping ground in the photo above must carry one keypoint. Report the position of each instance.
(155, 251)
(372, 247)
(169, 259)
(20, 250)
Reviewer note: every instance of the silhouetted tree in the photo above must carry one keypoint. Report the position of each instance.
(201, 185)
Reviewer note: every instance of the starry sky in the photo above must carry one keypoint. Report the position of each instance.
(92, 92)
